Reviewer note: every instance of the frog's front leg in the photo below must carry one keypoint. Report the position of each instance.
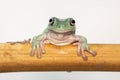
(38, 44)
(83, 46)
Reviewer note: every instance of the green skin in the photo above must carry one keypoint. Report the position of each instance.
(60, 32)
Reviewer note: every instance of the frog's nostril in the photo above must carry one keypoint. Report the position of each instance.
(61, 27)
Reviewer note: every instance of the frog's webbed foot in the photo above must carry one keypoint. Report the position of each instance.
(37, 45)
(81, 42)
(81, 50)
(39, 50)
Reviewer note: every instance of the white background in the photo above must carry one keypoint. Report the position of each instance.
(98, 20)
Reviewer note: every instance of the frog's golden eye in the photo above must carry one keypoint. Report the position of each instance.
(51, 21)
(72, 22)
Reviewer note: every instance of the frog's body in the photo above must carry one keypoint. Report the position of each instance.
(60, 32)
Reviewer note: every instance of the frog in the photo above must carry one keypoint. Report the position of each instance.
(61, 32)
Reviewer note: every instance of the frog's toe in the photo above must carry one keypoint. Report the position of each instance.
(78, 54)
(42, 46)
(94, 53)
(32, 53)
(85, 57)
(38, 52)
(38, 55)
(43, 51)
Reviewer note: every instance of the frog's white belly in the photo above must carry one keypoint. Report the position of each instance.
(58, 39)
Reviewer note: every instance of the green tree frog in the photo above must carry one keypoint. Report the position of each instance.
(60, 32)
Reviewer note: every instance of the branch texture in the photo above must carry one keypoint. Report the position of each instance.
(15, 57)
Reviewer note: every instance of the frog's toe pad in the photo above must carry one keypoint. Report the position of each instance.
(32, 53)
(85, 57)
(38, 56)
(94, 53)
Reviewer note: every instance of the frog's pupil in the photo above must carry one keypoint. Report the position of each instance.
(73, 21)
(50, 20)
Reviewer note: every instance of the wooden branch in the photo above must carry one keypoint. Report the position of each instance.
(16, 58)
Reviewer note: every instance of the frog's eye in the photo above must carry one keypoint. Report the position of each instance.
(72, 22)
(51, 21)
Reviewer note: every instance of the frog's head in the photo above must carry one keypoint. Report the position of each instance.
(62, 25)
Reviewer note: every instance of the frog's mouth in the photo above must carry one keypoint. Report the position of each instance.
(62, 31)
(59, 36)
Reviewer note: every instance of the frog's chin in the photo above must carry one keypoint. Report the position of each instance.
(61, 31)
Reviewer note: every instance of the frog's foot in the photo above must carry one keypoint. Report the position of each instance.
(39, 50)
(38, 47)
(81, 51)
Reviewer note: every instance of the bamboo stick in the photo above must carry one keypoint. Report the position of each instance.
(14, 58)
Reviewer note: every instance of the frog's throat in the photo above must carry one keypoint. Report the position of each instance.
(62, 39)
